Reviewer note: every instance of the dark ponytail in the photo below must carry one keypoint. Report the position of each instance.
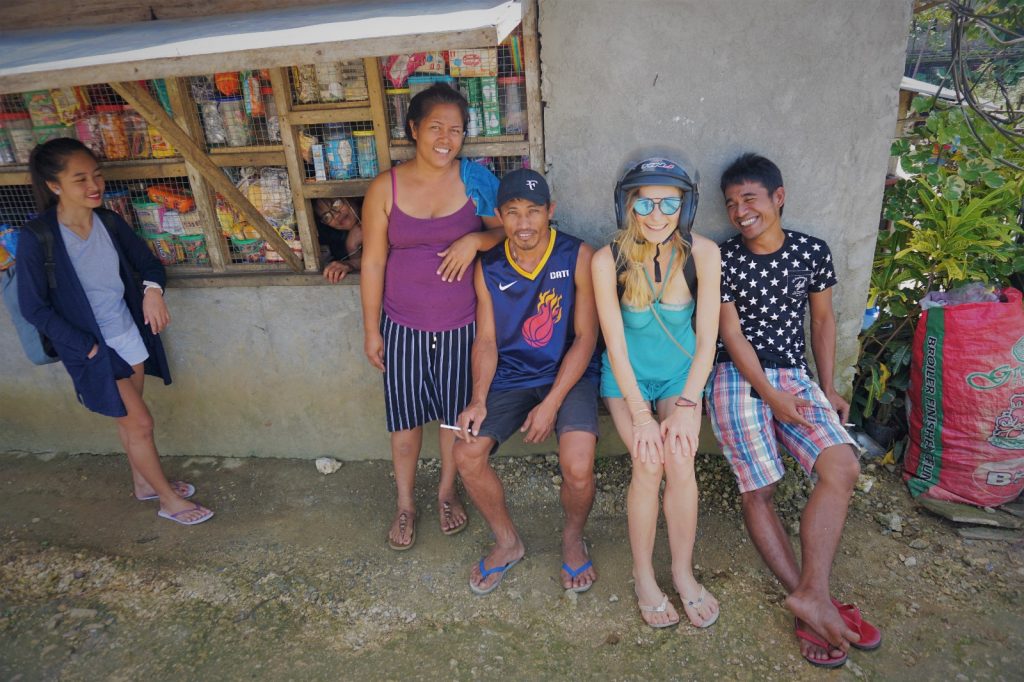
(424, 102)
(46, 161)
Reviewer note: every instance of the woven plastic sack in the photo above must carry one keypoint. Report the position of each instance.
(967, 403)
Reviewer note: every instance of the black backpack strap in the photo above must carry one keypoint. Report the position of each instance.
(620, 268)
(689, 269)
(44, 235)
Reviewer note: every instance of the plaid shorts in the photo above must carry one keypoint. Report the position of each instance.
(750, 435)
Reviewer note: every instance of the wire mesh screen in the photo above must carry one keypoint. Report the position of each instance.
(17, 206)
(491, 79)
(338, 151)
(500, 165)
(237, 109)
(94, 114)
(328, 82)
(163, 213)
(267, 188)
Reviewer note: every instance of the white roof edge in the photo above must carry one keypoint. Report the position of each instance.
(38, 56)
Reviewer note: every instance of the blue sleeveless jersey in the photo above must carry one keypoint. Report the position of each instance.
(533, 313)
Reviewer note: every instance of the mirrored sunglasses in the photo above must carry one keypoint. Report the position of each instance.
(668, 205)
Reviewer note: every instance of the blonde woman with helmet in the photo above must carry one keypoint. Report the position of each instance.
(660, 330)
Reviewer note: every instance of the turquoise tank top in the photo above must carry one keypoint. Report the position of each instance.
(652, 354)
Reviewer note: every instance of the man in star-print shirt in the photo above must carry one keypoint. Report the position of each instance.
(761, 397)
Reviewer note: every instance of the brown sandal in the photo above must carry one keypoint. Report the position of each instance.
(403, 525)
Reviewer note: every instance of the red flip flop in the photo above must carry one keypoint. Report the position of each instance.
(816, 641)
(870, 636)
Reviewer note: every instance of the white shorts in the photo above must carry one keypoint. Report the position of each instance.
(129, 346)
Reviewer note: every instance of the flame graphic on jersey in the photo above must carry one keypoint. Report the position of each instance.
(537, 330)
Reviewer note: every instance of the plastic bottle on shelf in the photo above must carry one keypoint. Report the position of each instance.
(6, 149)
(273, 123)
(366, 153)
(213, 124)
(236, 123)
(511, 90)
(340, 153)
(136, 130)
(19, 128)
(398, 108)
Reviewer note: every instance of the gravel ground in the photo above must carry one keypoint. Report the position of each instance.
(293, 580)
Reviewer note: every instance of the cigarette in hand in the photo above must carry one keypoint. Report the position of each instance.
(450, 427)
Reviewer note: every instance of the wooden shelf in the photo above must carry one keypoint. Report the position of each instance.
(335, 188)
(471, 150)
(321, 116)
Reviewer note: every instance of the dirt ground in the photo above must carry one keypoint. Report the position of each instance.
(292, 580)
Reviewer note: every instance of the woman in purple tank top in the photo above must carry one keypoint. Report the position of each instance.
(423, 224)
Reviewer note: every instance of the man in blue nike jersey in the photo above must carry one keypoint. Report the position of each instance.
(534, 369)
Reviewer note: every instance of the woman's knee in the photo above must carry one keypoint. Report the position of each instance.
(137, 424)
(647, 474)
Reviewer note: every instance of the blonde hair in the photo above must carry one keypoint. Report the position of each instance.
(633, 253)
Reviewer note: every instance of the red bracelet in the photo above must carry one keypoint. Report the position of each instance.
(685, 402)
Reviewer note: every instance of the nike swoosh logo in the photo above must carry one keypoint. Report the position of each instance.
(502, 287)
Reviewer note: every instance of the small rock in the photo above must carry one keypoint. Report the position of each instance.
(865, 483)
(81, 613)
(572, 597)
(327, 465)
(614, 598)
(920, 543)
(910, 562)
(79, 574)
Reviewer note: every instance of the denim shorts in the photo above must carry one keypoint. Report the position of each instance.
(507, 410)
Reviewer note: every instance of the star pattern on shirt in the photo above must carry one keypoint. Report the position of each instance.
(771, 291)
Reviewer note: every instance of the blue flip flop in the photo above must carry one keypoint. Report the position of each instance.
(484, 572)
(575, 573)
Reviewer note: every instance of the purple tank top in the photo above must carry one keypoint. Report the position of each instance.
(414, 294)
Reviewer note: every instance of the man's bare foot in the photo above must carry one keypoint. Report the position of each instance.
(578, 572)
(499, 556)
(655, 608)
(453, 515)
(700, 605)
(821, 616)
(814, 653)
(403, 530)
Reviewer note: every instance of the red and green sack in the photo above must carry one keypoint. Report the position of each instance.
(967, 403)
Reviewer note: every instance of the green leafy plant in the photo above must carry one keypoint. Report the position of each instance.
(955, 221)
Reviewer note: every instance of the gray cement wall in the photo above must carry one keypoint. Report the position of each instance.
(279, 370)
(273, 371)
(811, 84)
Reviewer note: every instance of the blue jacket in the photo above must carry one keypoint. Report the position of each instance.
(66, 318)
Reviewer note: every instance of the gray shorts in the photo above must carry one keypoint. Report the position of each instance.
(507, 410)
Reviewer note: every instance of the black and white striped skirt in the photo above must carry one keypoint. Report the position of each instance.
(427, 375)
